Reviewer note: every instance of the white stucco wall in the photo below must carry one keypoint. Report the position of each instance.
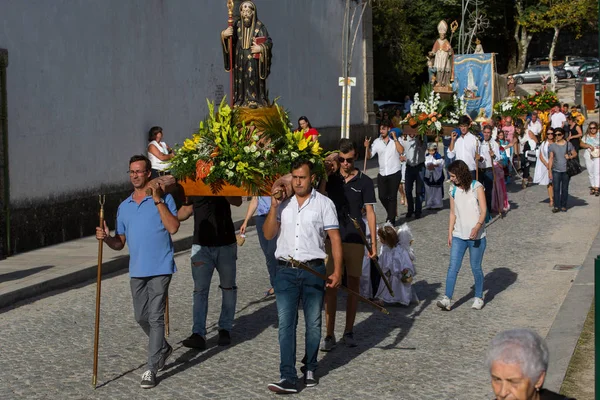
(87, 79)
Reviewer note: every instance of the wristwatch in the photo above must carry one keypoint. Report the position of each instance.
(161, 201)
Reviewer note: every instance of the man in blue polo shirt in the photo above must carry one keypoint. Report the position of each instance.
(147, 223)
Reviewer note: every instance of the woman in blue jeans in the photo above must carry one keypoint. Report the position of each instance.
(466, 230)
(558, 153)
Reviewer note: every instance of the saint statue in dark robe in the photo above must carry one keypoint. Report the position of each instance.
(251, 57)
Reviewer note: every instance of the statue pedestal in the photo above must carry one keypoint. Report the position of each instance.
(445, 92)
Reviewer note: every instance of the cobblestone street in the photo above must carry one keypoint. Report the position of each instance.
(415, 353)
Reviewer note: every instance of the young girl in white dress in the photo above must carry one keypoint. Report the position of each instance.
(434, 178)
(397, 262)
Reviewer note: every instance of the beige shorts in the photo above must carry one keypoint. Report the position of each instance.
(352, 256)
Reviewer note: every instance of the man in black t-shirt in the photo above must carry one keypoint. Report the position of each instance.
(214, 247)
(350, 190)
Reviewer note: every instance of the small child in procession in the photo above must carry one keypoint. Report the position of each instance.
(396, 259)
(434, 178)
(369, 279)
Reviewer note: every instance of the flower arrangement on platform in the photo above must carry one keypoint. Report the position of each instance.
(512, 107)
(227, 150)
(459, 108)
(426, 112)
(543, 100)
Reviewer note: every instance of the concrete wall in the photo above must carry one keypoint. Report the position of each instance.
(88, 78)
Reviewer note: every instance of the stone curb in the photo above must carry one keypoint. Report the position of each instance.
(568, 323)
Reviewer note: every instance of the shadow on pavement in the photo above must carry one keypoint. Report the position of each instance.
(11, 276)
(246, 327)
(377, 327)
(494, 282)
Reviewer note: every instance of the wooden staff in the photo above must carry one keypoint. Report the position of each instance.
(298, 264)
(230, 23)
(167, 316)
(375, 262)
(101, 200)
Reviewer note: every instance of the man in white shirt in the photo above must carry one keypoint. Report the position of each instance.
(414, 150)
(390, 174)
(488, 152)
(465, 148)
(300, 224)
(535, 126)
(557, 119)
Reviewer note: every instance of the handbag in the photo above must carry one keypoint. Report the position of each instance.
(573, 167)
(595, 153)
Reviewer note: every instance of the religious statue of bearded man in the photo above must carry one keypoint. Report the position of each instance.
(442, 53)
(251, 57)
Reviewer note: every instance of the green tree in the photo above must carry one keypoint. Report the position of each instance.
(558, 15)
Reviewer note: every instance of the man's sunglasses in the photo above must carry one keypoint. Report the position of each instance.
(349, 160)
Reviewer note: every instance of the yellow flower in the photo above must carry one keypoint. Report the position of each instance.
(196, 138)
(189, 144)
(302, 144)
(316, 149)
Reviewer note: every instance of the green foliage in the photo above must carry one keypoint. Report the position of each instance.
(550, 14)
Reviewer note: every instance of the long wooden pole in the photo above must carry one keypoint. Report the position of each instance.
(101, 200)
(298, 264)
(231, 68)
(375, 262)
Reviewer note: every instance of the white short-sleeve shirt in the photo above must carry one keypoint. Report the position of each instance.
(557, 120)
(466, 210)
(465, 148)
(302, 230)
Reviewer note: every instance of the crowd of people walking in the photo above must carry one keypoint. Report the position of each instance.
(330, 229)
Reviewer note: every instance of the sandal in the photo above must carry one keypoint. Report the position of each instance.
(597, 192)
(270, 292)
(592, 191)
(563, 209)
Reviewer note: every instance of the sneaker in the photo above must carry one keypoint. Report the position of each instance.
(348, 339)
(224, 338)
(195, 341)
(164, 357)
(148, 380)
(328, 343)
(555, 210)
(477, 303)
(409, 215)
(309, 379)
(444, 303)
(283, 387)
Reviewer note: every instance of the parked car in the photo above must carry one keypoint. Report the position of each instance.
(588, 65)
(572, 67)
(388, 105)
(535, 73)
(589, 75)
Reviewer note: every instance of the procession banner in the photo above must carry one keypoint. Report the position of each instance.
(474, 78)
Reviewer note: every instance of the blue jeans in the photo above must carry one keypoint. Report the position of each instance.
(414, 177)
(291, 286)
(457, 253)
(204, 261)
(560, 185)
(268, 248)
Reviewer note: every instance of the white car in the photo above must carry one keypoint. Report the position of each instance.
(572, 67)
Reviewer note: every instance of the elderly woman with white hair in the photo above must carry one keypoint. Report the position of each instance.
(518, 361)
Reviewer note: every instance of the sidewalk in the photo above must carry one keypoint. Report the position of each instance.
(64, 265)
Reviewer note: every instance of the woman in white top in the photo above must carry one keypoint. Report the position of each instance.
(540, 175)
(590, 142)
(527, 142)
(465, 231)
(159, 153)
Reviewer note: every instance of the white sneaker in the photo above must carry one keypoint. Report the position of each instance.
(477, 303)
(444, 303)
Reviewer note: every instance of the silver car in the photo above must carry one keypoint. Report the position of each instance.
(535, 73)
(572, 67)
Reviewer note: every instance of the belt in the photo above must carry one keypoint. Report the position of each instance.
(311, 263)
(415, 165)
(486, 169)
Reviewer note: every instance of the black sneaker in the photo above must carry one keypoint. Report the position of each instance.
(409, 215)
(283, 387)
(224, 338)
(195, 341)
(309, 379)
(148, 380)
(165, 355)
(417, 216)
